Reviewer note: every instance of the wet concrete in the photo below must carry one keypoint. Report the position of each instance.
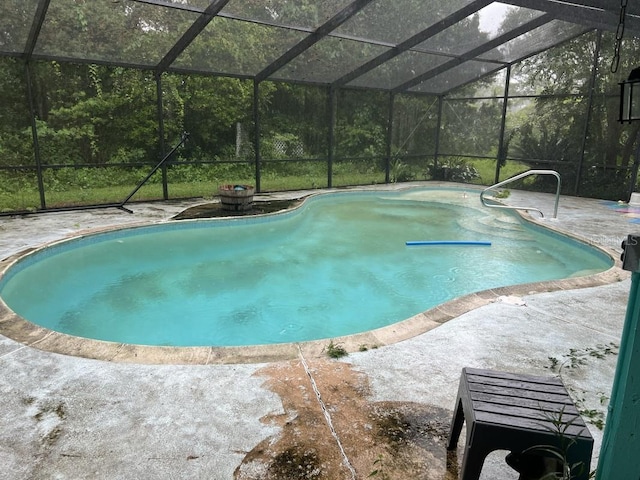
(68, 417)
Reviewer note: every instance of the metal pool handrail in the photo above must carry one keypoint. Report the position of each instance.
(518, 177)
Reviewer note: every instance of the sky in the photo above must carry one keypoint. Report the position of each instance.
(492, 15)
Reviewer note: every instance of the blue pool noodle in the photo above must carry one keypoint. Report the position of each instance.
(448, 242)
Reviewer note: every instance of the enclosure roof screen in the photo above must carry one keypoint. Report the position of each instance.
(427, 46)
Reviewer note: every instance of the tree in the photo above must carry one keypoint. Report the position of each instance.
(213, 106)
(15, 125)
(567, 70)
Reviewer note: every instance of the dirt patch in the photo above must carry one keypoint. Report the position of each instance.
(215, 210)
(343, 435)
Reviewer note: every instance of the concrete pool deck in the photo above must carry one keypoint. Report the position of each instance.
(70, 417)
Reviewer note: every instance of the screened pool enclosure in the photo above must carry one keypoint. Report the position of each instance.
(298, 94)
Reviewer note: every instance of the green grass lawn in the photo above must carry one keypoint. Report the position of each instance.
(21, 194)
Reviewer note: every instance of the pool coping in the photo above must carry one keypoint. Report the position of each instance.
(31, 335)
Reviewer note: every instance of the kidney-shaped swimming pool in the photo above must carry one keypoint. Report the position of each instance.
(338, 265)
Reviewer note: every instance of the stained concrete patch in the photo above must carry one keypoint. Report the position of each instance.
(342, 434)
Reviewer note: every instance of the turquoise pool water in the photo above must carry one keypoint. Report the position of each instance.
(339, 265)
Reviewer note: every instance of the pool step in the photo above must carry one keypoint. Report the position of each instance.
(502, 226)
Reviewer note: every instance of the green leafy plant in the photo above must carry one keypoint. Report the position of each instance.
(578, 358)
(550, 461)
(399, 171)
(336, 350)
(452, 170)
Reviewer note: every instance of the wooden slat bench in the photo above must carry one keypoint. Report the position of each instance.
(506, 411)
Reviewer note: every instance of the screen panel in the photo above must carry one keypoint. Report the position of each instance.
(398, 70)
(287, 13)
(456, 76)
(237, 47)
(478, 28)
(122, 32)
(328, 60)
(16, 18)
(393, 21)
(534, 41)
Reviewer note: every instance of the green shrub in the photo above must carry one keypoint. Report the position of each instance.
(453, 169)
